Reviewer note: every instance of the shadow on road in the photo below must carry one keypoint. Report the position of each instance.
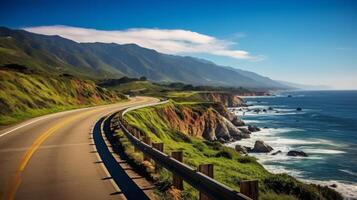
(118, 174)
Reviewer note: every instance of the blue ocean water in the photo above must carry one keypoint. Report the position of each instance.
(325, 128)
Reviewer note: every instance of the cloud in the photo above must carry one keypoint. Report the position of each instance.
(173, 41)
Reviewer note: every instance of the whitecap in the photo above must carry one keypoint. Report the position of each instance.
(323, 151)
(348, 172)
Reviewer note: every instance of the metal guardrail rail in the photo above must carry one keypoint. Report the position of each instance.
(210, 187)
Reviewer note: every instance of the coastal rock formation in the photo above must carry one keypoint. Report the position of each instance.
(244, 130)
(241, 149)
(297, 153)
(226, 98)
(229, 115)
(252, 128)
(261, 147)
(276, 153)
(212, 122)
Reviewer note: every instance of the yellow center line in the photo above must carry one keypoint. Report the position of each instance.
(33, 148)
(16, 181)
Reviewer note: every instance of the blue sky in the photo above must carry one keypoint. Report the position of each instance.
(310, 42)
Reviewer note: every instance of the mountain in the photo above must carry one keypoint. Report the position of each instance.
(261, 79)
(109, 60)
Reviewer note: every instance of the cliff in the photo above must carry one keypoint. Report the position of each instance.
(187, 127)
(226, 98)
(211, 121)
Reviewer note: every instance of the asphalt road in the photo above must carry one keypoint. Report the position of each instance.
(51, 157)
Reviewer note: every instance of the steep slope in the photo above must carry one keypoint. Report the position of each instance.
(181, 126)
(25, 93)
(99, 60)
(203, 120)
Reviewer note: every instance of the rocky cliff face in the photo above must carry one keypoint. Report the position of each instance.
(226, 98)
(209, 121)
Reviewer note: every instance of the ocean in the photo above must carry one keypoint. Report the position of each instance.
(325, 129)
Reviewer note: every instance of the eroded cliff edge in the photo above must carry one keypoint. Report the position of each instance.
(210, 121)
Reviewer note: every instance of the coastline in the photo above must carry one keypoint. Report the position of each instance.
(274, 136)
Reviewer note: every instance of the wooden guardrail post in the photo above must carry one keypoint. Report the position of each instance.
(206, 169)
(250, 189)
(176, 180)
(135, 133)
(147, 140)
(159, 146)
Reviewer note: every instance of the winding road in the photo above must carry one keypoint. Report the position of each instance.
(52, 157)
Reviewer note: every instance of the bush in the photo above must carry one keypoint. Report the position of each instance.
(215, 145)
(225, 153)
(199, 146)
(246, 159)
(285, 184)
(329, 193)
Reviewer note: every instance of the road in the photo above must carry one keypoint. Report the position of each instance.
(52, 157)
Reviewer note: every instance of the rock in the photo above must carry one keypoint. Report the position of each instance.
(275, 153)
(237, 121)
(244, 130)
(261, 147)
(257, 111)
(249, 149)
(264, 110)
(333, 185)
(297, 153)
(270, 108)
(299, 109)
(253, 128)
(241, 149)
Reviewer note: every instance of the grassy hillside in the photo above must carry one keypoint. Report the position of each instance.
(229, 166)
(140, 88)
(25, 93)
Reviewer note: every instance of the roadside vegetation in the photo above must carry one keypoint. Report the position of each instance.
(176, 91)
(25, 93)
(229, 166)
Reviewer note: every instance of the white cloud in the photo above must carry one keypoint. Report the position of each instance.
(175, 41)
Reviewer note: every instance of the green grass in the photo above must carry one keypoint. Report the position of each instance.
(229, 166)
(159, 90)
(139, 87)
(24, 96)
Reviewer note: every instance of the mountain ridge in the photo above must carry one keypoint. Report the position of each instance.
(111, 60)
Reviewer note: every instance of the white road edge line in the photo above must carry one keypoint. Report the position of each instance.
(42, 118)
(52, 115)
(2, 135)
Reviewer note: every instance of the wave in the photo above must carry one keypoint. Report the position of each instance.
(348, 172)
(323, 151)
(347, 189)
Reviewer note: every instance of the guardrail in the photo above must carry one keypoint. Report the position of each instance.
(211, 188)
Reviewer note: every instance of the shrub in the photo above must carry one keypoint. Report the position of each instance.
(285, 184)
(224, 153)
(246, 159)
(199, 146)
(215, 145)
(329, 194)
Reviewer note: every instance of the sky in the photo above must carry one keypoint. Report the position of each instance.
(309, 42)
